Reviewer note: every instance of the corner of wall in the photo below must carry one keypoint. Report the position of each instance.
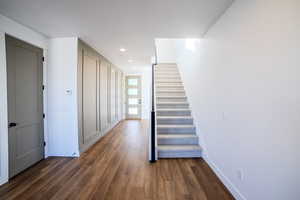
(3, 114)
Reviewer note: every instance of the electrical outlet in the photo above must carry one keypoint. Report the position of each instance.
(240, 174)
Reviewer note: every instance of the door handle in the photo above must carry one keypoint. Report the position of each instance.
(12, 124)
(140, 101)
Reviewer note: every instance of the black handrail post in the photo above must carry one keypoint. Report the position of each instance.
(152, 159)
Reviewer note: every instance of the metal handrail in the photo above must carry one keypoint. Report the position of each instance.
(153, 119)
(153, 114)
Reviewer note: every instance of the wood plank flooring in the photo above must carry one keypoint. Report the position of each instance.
(117, 167)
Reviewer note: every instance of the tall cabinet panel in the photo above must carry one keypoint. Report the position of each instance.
(119, 95)
(104, 94)
(113, 96)
(98, 96)
(123, 96)
(109, 95)
(89, 98)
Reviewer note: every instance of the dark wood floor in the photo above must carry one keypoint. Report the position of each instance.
(117, 168)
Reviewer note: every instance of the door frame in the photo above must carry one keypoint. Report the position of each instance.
(126, 96)
(16, 43)
(39, 41)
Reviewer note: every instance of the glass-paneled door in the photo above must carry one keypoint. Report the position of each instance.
(133, 97)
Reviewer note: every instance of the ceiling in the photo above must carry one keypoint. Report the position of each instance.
(109, 25)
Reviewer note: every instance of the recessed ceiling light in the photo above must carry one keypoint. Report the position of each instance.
(130, 60)
(122, 50)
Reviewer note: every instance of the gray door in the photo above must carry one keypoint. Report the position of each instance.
(25, 104)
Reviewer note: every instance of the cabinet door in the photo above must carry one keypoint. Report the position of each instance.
(104, 94)
(119, 95)
(122, 95)
(89, 98)
(113, 95)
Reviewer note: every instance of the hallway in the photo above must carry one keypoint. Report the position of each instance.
(117, 168)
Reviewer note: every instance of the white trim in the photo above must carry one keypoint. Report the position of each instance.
(228, 184)
(3, 113)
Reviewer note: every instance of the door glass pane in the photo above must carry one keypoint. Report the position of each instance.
(133, 101)
(133, 81)
(133, 111)
(132, 91)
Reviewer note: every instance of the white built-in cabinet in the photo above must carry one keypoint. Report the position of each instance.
(100, 95)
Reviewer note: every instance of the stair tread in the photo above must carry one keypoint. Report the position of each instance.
(170, 96)
(173, 109)
(171, 81)
(167, 74)
(175, 126)
(182, 147)
(177, 136)
(180, 103)
(171, 91)
(174, 117)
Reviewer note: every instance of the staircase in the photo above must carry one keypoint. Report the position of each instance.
(176, 134)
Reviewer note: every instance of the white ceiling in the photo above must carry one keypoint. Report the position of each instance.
(108, 25)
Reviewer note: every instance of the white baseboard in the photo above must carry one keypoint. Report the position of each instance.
(3, 180)
(228, 184)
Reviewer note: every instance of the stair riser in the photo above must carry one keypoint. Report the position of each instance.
(186, 154)
(178, 141)
(166, 67)
(169, 80)
(167, 75)
(169, 88)
(170, 99)
(165, 84)
(170, 94)
(183, 106)
(173, 113)
(181, 121)
(176, 130)
(157, 91)
(167, 71)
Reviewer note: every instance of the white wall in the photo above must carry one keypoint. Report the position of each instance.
(145, 73)
(62, 106)
(166, 53)
(243, 85)
(12, 28)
